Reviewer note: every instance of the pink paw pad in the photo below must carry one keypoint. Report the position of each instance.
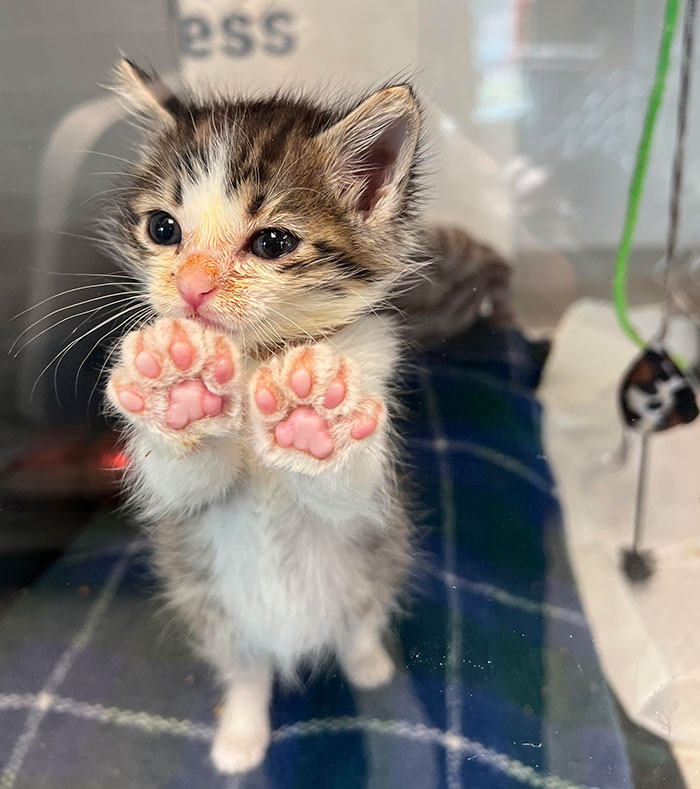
(182, 354)
(190, 401)
(223, 369)
(363, 428)
(301, 382)
(131, 401)
(335, 394)
(147, 364)
(306, 431)
(265, 400)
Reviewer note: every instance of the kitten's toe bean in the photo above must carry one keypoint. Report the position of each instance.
(182, 353)
(268, 397)
(239, 751)
(302, 371)
(223, 368)
(265, 400)
(335, 394)
(363, 427)
(131, 401)
(147, 364)
(300, 382)
(177, 416)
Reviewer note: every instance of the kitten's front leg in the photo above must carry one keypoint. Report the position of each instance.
(178, 386)
(319, 417)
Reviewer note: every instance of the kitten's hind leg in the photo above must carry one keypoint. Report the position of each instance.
(243, 734)
(363, 658)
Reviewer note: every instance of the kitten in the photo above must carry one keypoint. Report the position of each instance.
(258, 405)
(464, 280)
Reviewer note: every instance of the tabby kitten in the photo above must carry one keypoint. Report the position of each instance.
(257, 406)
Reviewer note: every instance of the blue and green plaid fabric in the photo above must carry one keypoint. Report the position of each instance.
(500, 685)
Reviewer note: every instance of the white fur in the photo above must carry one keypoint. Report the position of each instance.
(284, 595)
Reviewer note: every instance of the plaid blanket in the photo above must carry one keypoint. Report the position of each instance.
(500, 685)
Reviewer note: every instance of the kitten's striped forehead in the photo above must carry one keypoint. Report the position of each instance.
(226, 174)
(211, 212)
(211, 182)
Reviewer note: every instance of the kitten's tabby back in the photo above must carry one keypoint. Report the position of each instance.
(258, 405)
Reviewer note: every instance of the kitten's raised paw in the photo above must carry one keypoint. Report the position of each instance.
(238, 751)
(309, 407)
(179, 379)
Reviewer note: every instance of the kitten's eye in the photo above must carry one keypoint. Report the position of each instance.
(163, 229)
(272, 242)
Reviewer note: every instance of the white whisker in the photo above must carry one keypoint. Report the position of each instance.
(62, 309)
(62, 353)
(142, 318)
(65, 293)
(131, 175)
(91, 239)
(90, 274)
(289, 320)
(89, 353)
(85, 358)
(99, 194)
(107, 156)
(63, 320)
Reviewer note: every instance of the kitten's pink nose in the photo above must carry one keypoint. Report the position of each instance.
(196, 280)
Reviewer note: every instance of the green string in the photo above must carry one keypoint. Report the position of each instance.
(636, 188)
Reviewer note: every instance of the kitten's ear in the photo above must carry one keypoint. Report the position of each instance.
(147, 94)
(371, 152)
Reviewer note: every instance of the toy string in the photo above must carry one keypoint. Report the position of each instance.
(636, 188)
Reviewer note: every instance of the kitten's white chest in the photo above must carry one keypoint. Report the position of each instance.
(279, 571)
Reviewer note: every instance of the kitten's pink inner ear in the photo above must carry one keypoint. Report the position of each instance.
(373, 148)
(378, 165)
